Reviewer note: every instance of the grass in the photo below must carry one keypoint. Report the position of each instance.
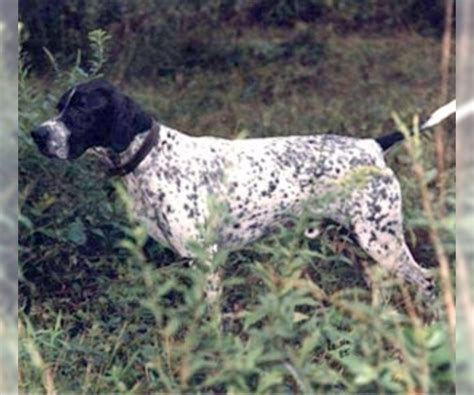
(106, 310)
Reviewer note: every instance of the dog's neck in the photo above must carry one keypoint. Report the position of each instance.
(124, 163)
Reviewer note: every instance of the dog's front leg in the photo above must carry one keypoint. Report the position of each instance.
(213, 284)
(213, 288)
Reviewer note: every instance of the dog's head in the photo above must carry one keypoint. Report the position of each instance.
(91, 114)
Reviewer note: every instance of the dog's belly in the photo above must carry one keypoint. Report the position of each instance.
(283, 209)
(176, 220)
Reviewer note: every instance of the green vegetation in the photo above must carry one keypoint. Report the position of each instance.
(156, 38)
(106, 310)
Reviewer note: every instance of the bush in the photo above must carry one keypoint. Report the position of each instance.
(156, 38)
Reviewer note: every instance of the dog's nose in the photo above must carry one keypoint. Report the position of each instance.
(40, 135)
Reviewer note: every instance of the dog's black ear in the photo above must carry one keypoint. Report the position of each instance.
(128, 121)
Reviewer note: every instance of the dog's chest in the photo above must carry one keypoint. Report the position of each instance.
(145, 209)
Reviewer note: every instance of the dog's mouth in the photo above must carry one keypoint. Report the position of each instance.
(45, 151)
(51, 151)
(40, 137)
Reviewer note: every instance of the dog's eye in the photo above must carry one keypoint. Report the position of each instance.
(81, 103)
(96, 101)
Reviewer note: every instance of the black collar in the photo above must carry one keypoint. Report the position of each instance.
(122, 169)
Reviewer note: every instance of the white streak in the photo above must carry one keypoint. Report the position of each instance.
(440, 115)
(68, 100)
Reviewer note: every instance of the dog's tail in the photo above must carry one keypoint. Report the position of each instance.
(389, 139)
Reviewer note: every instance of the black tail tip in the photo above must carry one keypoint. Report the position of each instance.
(388, 140)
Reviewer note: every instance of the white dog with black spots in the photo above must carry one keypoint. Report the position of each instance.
(261, 183)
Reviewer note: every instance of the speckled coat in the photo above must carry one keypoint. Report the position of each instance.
(264, 182)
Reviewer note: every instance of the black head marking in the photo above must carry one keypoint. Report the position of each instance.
(128, 121)
(98, 114)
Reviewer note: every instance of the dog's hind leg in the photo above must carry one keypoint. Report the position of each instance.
(376, 220)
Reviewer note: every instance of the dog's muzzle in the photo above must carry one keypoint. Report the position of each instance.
(51, 139)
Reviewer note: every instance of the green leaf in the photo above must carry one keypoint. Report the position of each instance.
(269, 380)
(363, 372)
(251, 318)
(76, 233)
(390, 383)
(436, 338)
(23, 220)
(365, 375)
(298, 317)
